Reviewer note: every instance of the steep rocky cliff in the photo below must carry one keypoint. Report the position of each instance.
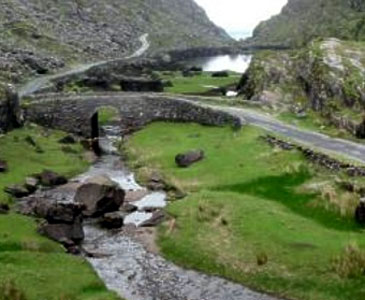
(303, 20)
(37, 36)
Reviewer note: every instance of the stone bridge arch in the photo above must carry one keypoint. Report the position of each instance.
(73, 113)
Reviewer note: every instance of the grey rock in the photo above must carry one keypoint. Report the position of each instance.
(185, 160)
(17, 191)
(156, 219)
(50, 178)
(112, 220)
(100, 195)
(3, 166)
(31, 184)
(4, 208)
(61, 232)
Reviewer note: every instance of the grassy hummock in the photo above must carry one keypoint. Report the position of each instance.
(260, 216)
(31, 266)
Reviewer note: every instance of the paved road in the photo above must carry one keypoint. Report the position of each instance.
(320, 141)
(38, 83)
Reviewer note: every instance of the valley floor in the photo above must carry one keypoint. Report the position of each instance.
(257, 215)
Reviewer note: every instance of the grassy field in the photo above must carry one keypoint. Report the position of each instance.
(200, 83)
(33, 267)
(256, 215)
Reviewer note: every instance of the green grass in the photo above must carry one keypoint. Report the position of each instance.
(24, 160)
(247, 201)
(30, 263)
(107, 114)
(198, 83)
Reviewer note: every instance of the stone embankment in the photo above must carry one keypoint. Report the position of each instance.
(318, 158)
(74, 113)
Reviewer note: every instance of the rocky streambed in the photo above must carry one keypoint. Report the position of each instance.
(125, 258)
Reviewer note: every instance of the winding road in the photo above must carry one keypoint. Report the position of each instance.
(41, 82)
(322, 142)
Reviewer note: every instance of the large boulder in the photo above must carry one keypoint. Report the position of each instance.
(63, 221)
(63, 232)
(100, 195)
(50, 178)
(185, 160)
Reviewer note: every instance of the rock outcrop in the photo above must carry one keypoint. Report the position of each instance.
(327, 77)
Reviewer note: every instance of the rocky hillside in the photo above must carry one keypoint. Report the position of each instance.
(37, 36)
(327, 77)
(303, 20)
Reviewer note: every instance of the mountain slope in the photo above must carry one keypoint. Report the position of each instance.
(37, 36)
(302, 20)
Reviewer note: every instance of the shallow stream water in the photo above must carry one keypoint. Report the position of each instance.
(121, 258)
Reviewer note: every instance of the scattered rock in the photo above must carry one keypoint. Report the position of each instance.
(156, 182)
(68, 139)
(4, 208)
(156, 219)
(128, 208)
(61, 232)
(112, 220)
(50, 178)
(3, 166)
(360, 212)
(17, 191)
(141, 85)
(100, 195)
(187, 73)
(187, 159)
(31, 184)
(67, 213)
(220, 74)
(196, 69)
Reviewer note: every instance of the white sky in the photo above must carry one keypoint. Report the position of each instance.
(240, 15)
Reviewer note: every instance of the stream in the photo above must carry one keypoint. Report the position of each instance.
(122, 258)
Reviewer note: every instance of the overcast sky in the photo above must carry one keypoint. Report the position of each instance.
(240, 15)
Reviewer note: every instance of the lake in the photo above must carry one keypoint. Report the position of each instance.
(236, 63)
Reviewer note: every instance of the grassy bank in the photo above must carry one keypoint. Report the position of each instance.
(200, 83)
(31, 266)
(260, 216)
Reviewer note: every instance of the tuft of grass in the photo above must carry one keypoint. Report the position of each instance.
(9, 291)
(350, 264)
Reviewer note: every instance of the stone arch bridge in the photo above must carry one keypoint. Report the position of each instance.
(78, 113)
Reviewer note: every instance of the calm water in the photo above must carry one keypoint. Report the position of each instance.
(236, 63)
